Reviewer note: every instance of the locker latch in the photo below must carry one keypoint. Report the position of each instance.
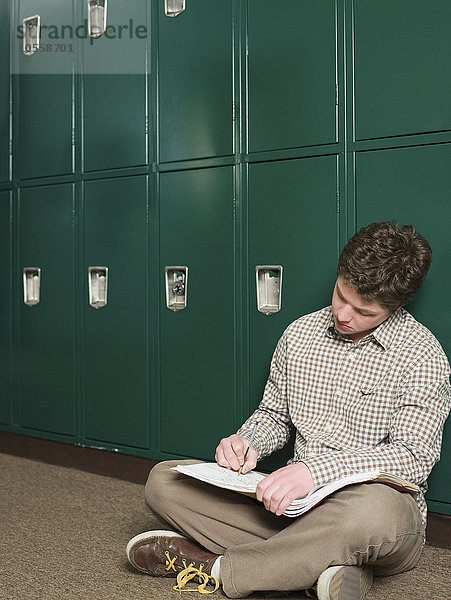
(173, 8)
(176, 281)
(31, 285)
(97, 10)
(31, 34)
(269, 288)
(98, 286)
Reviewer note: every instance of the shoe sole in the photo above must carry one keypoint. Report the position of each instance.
(354, 584)
(147, 535)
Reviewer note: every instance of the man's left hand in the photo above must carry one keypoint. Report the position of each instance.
(278, 490)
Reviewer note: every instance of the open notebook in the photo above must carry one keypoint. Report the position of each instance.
(213, 474)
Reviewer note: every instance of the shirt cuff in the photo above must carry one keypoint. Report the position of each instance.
(262, 443)
(323, 468)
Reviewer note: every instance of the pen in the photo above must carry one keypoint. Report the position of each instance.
(249, 445)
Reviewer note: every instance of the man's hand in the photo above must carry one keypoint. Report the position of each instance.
(230, 454)
(278, 490)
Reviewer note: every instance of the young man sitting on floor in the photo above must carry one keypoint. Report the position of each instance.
(365, 387)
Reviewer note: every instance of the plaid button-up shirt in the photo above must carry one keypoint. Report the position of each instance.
(377, 405)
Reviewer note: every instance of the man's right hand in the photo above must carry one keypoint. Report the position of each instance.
(230, 454)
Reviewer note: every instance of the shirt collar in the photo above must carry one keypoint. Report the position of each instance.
(387, 331)
(384, 335)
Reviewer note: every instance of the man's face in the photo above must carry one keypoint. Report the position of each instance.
(353, 316)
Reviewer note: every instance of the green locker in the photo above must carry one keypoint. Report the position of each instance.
(292, 73)
(115, 337)
(197, 354)
(45, 367)
(44, 91)
(196, 81)
(402, 61)
(4, 89)
(413, 186)
(5, 308)
(114, 88)
(187, 376)
(293, 223)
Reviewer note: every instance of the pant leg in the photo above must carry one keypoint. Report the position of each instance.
(216, 518)
(366, 523)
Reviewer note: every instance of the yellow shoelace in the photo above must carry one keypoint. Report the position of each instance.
(312, 592)
(188, 573)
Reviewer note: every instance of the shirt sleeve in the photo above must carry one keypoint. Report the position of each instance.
(272, 414)
(414, 440)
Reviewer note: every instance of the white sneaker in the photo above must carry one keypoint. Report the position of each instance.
(344, 583)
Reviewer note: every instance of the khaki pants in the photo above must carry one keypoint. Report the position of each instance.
(364, 523)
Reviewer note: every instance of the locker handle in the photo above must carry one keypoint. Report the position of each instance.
(31, 286)
(173, 8)
(31, 34)
(98, 286)
(269, 288)
(97, 12)
(176, 283)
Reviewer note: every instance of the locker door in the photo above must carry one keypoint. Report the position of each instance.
(413, 186)
(197, 343)
(292, 73)
(45, 94)
(115, 355)
(46, 330)
(196, 81)
(4, 89)
(114, 89)
(402, 64)
(292, 223)
(5, 308)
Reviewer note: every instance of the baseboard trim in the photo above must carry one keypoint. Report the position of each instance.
(438, 530)
(100, 462)
(136, 470)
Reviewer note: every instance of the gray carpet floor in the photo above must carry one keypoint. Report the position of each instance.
(64, 532)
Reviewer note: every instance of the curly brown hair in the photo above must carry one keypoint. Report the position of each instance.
(386, 263)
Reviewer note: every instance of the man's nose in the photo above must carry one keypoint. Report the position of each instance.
(344, 314)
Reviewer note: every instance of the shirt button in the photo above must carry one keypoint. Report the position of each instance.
(338, 393)
(351, 357)
(328, 428)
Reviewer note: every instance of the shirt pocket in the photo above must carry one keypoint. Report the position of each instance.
(368, 417)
